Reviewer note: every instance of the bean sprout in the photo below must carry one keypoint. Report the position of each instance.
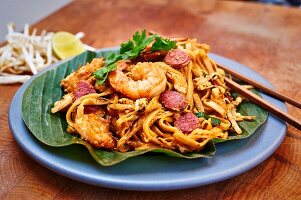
(24, 53)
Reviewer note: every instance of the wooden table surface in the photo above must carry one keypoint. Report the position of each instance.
(263, 37)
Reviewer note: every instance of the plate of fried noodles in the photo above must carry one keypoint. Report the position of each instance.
(152, 114)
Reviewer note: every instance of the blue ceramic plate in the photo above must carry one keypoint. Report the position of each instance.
(155, 172)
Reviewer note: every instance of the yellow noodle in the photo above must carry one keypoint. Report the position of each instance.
(198, 134)
(145, 123)
(126, 119)
(189, 94)
(233, 122)
(153, 104)
(198, 103)
(149, 120)
(215, 107)
(121, 142)
(74, 106)
(121, 107)
(208, 65)
(206, 124)
(89, 101)
(161, 134)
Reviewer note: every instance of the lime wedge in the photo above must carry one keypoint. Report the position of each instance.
(66, 45)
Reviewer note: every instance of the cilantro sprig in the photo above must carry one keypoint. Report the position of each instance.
(214, 121)
(132, 49)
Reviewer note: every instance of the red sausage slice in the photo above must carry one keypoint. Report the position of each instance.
(177, 58)
(83, 88)
(153, 56)
(173, 100)
(187, 122)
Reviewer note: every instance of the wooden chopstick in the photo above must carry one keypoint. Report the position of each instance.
(260, 86)
(264, 104)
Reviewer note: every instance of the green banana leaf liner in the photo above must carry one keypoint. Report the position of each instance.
(50, 129)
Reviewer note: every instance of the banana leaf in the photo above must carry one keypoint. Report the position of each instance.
(50, 129)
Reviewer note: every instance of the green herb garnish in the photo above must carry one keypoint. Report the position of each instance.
(163, 44)
(202, 114)
(102, 74)
(132, 49)
(110, 65)
(214, 121)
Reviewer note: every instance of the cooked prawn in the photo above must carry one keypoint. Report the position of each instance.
(144, 80)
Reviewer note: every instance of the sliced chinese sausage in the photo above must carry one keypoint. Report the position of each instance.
(187, 122)
(177, 58)
(153, 56)
(173, 100)
(83, 88)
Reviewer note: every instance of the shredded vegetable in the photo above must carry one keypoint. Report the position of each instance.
(24, 53)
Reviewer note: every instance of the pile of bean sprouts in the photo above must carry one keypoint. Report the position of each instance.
(26, 53)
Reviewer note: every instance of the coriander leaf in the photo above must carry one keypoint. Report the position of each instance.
(110, 65)
(112, 57)
(132, 48)
(163, 44)
(139, 38)
(140, 42)
(129, 55)
(126, 46)
(102, 79)
(102, 74)
(202, 114)
(141, 46)
(215, 121)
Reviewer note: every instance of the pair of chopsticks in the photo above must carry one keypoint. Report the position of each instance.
(253, 97)
(259, 101)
